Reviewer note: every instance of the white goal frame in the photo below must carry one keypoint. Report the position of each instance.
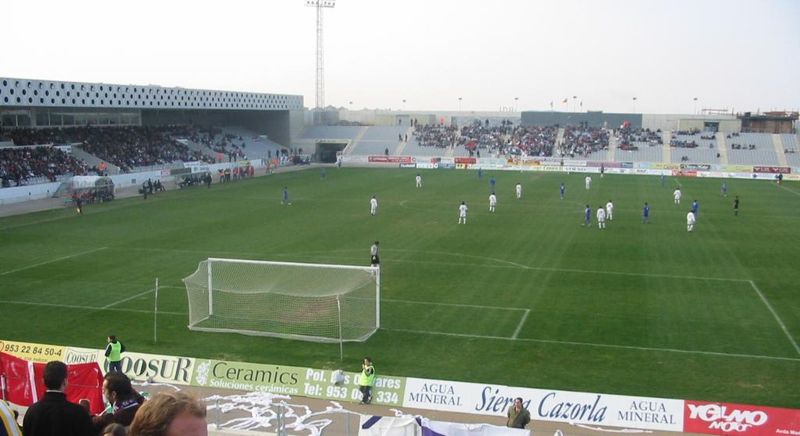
(210, 262)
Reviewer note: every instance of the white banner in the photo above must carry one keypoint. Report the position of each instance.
(546, 405)
(139, 366)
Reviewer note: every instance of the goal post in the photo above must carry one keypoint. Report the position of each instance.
(304, 301)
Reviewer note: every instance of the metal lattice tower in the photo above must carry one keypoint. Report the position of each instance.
(319, 4)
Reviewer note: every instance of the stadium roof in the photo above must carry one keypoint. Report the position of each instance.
(16, 92)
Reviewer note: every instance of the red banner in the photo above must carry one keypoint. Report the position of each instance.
(466, 160)
(17, 379)
(739, 419)
(775, 170)
(85, 380)
(391, 159)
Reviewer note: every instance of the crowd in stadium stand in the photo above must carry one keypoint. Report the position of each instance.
(583, 140)
(628, 137)
(505, 139)
(22, 165)
(436, 135)
(222, 144)
(138, 146)
(126, 147)
(681, 143)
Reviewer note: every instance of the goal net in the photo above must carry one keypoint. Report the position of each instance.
(310, 302)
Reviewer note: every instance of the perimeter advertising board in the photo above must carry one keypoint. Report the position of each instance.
(291, 380)
(739, 419)
(546, 405)
(38, 353)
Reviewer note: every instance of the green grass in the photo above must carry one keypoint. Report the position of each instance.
(639, 309)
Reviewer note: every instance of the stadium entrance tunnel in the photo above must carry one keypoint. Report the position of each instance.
(327, 150)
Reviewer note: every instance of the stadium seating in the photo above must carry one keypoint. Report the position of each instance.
(331, 132)
(643, 154)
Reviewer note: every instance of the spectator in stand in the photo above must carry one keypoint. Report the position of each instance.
(170, 414)
(8, 421)
(124, 400)
(53, 415)
(115, 430)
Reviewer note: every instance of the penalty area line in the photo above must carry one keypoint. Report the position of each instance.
(521, 323)
(71, 306)
(777, 318)
(58, 259)
(132, 297)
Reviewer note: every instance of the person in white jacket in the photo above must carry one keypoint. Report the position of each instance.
(690, 220)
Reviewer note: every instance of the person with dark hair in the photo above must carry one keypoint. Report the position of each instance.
(170, 414)
(124, 400)
(114, 351)
(115, 430)
(366, 381)
(518, 415)
(53, 415)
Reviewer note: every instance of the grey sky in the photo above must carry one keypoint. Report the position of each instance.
(735, 54)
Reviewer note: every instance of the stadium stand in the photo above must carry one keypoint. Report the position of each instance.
(31, 165)
(588, 142)
(751, 149)
(331, 132)
(791, 149)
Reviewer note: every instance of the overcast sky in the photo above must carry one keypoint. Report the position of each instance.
(730, 54)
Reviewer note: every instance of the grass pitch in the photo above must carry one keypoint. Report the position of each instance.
(526, 296)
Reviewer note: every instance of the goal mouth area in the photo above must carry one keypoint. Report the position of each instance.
(302, 301)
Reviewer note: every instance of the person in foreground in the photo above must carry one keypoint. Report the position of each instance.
(170, 414)
(53, 414)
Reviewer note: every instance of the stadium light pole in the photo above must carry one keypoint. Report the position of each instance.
(634, 104)
(574, 100)
(319, 4)
(695, 105)
(459, 104)
(516, 104)
(404, 105)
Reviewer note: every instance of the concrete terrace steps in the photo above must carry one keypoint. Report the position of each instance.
(92, 160)
(777, 142)
(722, 148)
(348, 150)
(666, 137)
(613, 143)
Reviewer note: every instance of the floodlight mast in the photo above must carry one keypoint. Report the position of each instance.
(319, 4)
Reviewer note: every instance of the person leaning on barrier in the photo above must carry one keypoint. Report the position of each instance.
(518, 415)
(170, 414)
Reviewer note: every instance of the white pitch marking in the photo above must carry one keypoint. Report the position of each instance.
(521, 323)
(476, 306)
(72, 306)
(589, 344)
(507, 263)
(790, 190)
(777, 318)
(52, 261)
